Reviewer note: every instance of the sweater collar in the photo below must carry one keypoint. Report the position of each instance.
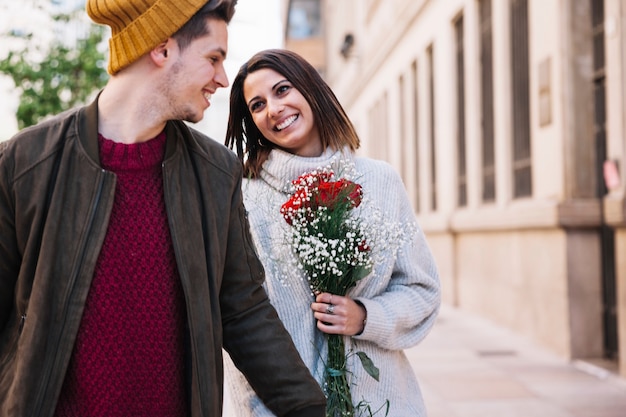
(88, 131)
(283, 167)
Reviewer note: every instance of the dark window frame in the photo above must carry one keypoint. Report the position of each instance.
(520, 95)
(488, 167)
(460, 139)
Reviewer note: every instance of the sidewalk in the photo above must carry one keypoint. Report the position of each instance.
(468, 367)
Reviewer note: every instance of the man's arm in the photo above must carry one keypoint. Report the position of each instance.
(258, 343)
(9, 262)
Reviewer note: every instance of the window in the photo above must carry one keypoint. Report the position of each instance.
(402, 130)
(415, 119)
(522, 179)
(486, 89)
(378, 127)
(599, 93)
(304, 19)
(460, 113)
(433, 153)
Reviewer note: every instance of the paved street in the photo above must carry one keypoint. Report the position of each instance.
(468, 367)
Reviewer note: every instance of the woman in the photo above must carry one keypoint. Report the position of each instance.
(285, 122)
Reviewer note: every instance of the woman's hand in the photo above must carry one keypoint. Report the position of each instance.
(338, 315)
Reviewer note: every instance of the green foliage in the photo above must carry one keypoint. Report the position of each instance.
(64, 77)
(368, 365)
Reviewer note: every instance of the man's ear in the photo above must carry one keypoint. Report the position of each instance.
(161, 52)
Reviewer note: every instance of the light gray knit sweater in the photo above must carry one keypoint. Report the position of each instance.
(401, 295)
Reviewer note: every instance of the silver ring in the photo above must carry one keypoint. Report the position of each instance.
(330, 309)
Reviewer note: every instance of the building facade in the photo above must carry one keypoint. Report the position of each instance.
(506, 120)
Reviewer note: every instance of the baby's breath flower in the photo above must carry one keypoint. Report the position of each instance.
(329, 244)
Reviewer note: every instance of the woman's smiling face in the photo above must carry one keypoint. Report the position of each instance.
(281, 113)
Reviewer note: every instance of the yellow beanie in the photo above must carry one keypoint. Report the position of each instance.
(138, 26)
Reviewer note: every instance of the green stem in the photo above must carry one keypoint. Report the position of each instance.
(339, 398)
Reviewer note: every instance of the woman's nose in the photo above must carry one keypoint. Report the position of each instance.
(275, 107)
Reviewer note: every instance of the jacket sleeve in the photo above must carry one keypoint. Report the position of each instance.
(9, 258)
(255, 338)
(403, 310)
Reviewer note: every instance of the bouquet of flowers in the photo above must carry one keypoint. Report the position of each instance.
(332, 249)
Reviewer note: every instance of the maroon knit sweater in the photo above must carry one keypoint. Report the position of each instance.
(128, 355)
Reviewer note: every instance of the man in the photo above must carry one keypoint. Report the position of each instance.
(126, 263)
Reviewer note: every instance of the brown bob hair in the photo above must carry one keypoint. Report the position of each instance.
(335, 128)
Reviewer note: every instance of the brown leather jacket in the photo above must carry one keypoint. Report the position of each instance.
(55, 202)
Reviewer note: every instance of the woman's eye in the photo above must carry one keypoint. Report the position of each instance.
(282, 89)
(255, 106)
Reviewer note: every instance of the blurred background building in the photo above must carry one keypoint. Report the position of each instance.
(506, 120)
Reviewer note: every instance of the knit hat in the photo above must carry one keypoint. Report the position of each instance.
(138, 26)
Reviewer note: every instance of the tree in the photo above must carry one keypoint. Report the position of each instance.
(55, 77)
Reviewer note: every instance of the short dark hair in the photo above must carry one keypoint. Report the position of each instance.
(335, 128)
(196, 26)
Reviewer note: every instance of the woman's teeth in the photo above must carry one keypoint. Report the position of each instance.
(287, 122)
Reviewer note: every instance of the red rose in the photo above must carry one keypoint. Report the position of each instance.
(332, 193)
(300, 199)
(315, 190)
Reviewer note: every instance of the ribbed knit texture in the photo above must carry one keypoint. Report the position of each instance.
(401, 297)
(138, 26)
(128, 356)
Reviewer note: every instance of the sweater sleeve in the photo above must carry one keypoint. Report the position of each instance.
(403, 300)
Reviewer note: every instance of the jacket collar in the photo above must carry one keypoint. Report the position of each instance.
(88, 131)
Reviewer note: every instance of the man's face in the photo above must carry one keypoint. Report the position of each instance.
(196, 73)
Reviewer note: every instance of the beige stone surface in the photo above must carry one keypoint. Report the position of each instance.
(470, 367)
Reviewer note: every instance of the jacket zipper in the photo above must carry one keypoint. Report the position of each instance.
(50, 364)
(184, 282)
(22, 322)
